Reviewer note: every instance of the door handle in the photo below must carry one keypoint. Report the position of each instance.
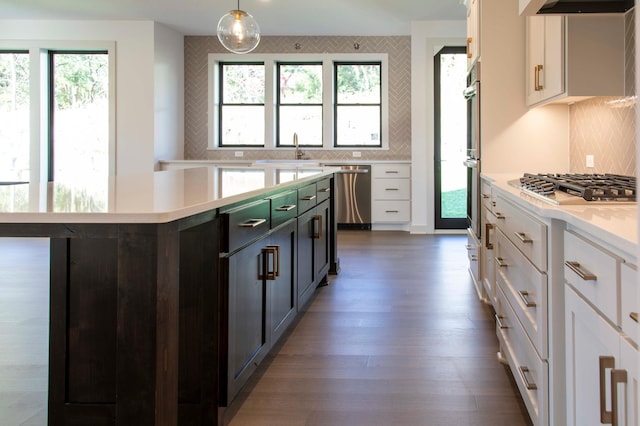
(524, 296)
(487, 240)
(270, 274)
(317, 230)
(605, 363)
(617, 377)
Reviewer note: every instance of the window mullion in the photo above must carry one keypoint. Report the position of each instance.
(327, 104)
(270, 88)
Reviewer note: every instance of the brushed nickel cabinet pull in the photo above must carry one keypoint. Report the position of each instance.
(580, 271)
(391, 189)
(605, 362)
(500, 216)
(634, 316)
(500, 262)
(317, 231)
(469, 247)
(499, 322)
(309, 198)
(286, 208)
(524, 371)
(487, 239)
(325, 190)
(473, 257)
(524, 296)
(617, 377)
(523, 237)
(270, 274)
(391, 172)
(391, 211)
(252, 223)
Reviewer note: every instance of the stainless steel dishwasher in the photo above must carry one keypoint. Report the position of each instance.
(353, 197)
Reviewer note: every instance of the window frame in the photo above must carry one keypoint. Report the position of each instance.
(270, 61)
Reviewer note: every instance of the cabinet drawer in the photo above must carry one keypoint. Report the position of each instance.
(391, 211)
(391, 171)
(307, 197)
(592, 271)
(391, 189)
(245, 224)
(629, 295)
(486, 195)
(526, 290)
(283, 207)
(529, 371)
(323, 190)
(526, 233)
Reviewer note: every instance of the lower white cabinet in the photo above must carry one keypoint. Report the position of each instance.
(391, 193)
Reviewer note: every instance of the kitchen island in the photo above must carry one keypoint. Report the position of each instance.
(139, 282)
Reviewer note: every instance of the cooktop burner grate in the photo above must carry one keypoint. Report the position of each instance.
(590, 187)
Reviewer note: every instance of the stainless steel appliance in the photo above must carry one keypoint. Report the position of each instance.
(353, 197)
(472, 162)
(574, 188)
(585, 6)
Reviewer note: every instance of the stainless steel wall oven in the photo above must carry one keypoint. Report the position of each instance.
(472, 162)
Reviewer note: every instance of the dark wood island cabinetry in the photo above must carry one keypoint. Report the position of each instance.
(140, 307)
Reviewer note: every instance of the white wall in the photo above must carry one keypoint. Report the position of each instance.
(135, 80)
(427, 37)
(169, 94)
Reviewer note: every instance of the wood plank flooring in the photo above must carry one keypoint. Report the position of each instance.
(397, 338)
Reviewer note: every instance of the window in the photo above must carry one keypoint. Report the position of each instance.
(14, 116)
(300, 104)
(358, 106)
(331, 101)
(242, 98)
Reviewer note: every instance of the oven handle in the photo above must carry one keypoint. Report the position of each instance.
(471, 163)
(470, 92)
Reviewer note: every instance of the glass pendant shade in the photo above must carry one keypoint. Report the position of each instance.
(238, 31)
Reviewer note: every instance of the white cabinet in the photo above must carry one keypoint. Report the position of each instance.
(573, 57)
(601, 361)
(488, 219)
(391, 193)
(473, 31)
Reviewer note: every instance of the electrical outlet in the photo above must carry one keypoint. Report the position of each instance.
(590, 161)
(239, 154)
(357, 154)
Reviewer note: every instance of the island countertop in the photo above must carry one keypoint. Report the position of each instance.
(156, 197)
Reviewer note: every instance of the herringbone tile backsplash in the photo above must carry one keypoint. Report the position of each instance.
(397, 47)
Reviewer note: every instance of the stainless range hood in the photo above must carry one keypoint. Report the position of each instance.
(565, 7)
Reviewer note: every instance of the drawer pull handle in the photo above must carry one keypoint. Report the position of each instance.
(473, 257)
(500, 262)
(634, 316)
(493, 204)
(523, 237)
(391, 189)
(325, 190)
(524, 296)
(617, 377)
(487, 237)
(391, 211)
(500, 216)
(524, 371)
(309, 198)
(501, 326)
(252, 223)
(605, 362)
(580, 271)
(485, 196)
(391, 172)
(286, 208)
(469, 247)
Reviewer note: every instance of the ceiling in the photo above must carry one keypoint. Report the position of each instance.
(275, 17)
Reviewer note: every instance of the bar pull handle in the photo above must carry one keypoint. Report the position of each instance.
(499, 322)
(536, 70)
(634, 316)
(524, 296)
(485, 196)
(500, 216)
(469, 53)
(317, 230)
(309, 198)
(325, 190)
(524, 372)
(469, 247)
(487, 238)
(605, 362)
(286, 208)
(500, 262)
(391, 211)
(523, 237)
(272, 273)
(391, 172)
(617, 377)
(391, 189)
(252, 223)
(473, 257)
(580, 271)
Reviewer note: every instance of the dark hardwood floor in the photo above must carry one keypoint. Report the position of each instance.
(397, 338)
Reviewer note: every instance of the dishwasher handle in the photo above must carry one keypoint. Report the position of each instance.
(353, 171)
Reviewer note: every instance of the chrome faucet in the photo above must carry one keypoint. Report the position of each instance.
(299, 152)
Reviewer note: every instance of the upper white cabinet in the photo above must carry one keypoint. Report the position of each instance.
(473, 31)
(572, 57)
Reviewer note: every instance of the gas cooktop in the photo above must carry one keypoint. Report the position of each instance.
(572, 188)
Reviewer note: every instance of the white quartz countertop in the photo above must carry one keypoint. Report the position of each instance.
(613, 224)
(156, 197)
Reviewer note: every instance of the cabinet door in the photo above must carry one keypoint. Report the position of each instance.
(247, 330)
(321, 236)
(628, 404)
(535, 57)
(306, 253)
(545, 58)
(592, 345)
(473, 32)
(282, 290)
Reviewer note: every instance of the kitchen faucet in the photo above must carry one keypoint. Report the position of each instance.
(299, 152)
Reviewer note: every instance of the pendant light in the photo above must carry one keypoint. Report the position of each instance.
(238, 31)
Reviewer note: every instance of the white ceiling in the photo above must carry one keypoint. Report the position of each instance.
(275, 17)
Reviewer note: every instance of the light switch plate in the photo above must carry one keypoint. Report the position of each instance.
(239, 154)
(590, 161)
(357, 154)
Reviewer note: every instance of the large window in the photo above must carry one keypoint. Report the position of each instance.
(300, 104)
(14, 116)
(330, 101)
(242, 95)
(358, 95)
